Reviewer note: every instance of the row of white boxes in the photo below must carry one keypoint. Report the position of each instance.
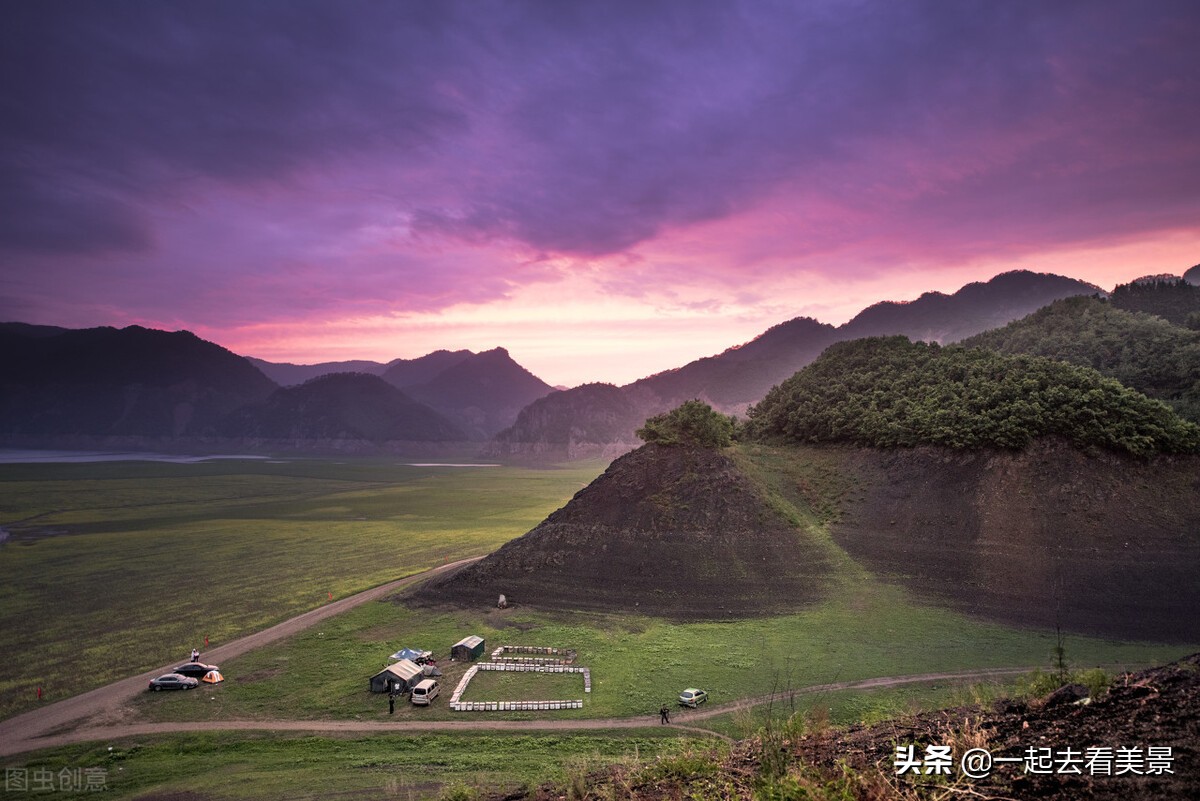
(528, 660)
(527, 649)
(514, 706)
(459, 705)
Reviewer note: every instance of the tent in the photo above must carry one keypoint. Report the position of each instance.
(467, 649)
(398, 677)
(411, 654)
(212, 677)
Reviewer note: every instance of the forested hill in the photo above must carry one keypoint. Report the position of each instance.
(340, 406)
(888, 391)
(1142, 351)
(1173, 299)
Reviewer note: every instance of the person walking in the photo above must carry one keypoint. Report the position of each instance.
(664, 715)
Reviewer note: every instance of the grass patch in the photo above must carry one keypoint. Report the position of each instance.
(248, 765)
(126, 565)
(637, 664)
(490, 685)
(842, 708)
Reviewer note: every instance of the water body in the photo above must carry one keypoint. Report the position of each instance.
(446, 464)
(73, 457)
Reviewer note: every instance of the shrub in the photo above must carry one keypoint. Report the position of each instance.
(691, 423)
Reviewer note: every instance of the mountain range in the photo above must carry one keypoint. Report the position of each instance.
(138, 387)
(739, 377)
(60, 383)
(132, 382)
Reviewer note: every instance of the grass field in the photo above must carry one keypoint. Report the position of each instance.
(637, 664)
(524, 686)
(124, 566)
(290, 767)
(129, 565)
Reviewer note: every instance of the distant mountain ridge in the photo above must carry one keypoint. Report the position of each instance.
(340, 406)
(976, 307)
(733, 380)
(482, 393)
(286, 374)
(486, 396)
(119, 382)
(142, 388)
(590, 421)
(398, 372)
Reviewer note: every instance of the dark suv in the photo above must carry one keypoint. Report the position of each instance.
(196, 670)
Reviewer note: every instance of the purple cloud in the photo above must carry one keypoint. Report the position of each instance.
(242, 162)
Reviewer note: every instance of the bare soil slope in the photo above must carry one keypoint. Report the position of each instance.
(1159, 707)
(1093, 542)
(673, 531)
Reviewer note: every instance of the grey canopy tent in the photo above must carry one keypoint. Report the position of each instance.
(411, 654)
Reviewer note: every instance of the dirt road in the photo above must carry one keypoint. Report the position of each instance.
(96, 715)
(684, 720)
(22, 733)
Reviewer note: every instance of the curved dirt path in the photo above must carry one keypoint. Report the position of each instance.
(30, 729)
(681, 720)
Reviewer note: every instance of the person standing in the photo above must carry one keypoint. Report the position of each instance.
(392, 702)
(664, 715)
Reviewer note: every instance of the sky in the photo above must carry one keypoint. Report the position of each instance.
(606, 189)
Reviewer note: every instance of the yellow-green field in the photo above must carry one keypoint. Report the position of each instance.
(290, 767)
(121, 567)
(115, 568)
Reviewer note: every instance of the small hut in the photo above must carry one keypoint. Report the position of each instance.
(399, 677)
(468, 649)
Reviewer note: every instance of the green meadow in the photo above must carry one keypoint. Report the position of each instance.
(126, 566)
(289, 767)
(637, 664)
(115, 568)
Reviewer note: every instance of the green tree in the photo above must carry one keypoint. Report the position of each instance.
(691, 423)
(889, 392)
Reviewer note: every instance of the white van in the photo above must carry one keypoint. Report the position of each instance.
(424, 693)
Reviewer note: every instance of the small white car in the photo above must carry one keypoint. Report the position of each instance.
(424, 693)
(692, 697)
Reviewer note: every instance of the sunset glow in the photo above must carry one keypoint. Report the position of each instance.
(606, 190)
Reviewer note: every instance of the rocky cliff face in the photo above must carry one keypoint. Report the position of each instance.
(1048, 536)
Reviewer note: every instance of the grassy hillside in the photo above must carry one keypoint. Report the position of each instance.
(673, 531)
